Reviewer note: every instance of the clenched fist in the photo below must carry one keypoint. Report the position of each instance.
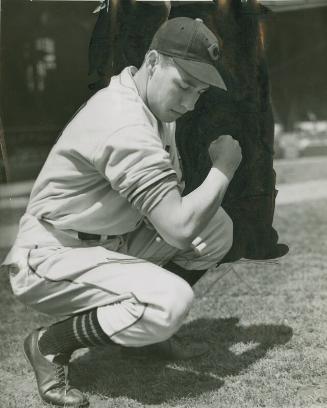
(226, 155)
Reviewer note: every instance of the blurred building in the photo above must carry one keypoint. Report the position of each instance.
(44, 52)
(296, 43)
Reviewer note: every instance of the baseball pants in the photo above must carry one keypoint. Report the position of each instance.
(139, 302)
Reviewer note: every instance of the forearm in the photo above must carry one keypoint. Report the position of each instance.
(180, 219)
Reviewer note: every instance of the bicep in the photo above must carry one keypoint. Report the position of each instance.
(167, 218)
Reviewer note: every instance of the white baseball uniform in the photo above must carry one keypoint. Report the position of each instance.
(111, 166)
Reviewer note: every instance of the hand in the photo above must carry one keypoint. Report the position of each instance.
(226, 155)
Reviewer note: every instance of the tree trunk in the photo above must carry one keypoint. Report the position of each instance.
(244, 112)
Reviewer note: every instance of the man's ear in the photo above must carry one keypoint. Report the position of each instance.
(152, 60)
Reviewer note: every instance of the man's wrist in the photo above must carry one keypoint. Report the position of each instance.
(224, 176)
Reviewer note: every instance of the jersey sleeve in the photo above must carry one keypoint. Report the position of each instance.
(137, 166)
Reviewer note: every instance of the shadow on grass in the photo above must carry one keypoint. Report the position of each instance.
(232, 348)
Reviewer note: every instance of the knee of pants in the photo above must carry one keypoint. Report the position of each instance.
(172, 309)
(228, 233)
(220, 239)
(136, 322)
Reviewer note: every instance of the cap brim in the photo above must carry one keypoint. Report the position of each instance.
(202, 71)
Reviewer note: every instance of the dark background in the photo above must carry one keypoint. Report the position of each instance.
(44, 68)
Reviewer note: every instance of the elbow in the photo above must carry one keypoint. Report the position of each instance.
(186, 239)
(182, 243)
(182, 238)
(178, 243)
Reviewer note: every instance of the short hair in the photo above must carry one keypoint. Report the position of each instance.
(166, 60)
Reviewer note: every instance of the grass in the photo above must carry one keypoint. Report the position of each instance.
(265, 324)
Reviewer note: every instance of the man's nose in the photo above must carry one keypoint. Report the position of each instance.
(189, 102)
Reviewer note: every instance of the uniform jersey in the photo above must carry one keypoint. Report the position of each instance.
(112, 164)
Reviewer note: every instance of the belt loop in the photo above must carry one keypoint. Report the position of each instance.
(103, 238)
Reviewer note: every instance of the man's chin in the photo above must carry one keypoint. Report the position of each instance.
(168, 117)
(170, 120)
(172, 116)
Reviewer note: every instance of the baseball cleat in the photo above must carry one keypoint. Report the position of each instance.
(51, 377)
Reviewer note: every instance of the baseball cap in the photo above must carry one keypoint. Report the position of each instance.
(193, 47)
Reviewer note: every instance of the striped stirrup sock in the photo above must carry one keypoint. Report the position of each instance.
(76, 332)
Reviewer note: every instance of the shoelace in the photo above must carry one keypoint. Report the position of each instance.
(62, 376)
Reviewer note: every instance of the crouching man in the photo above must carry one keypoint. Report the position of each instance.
(107, 213)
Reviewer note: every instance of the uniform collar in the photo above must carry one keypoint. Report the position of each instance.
(126, 78)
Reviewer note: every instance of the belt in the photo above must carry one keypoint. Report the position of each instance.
(84, 236)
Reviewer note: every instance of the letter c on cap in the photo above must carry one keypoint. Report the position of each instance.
(214, 51)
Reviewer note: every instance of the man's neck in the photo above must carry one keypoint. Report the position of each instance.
(140, 79)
